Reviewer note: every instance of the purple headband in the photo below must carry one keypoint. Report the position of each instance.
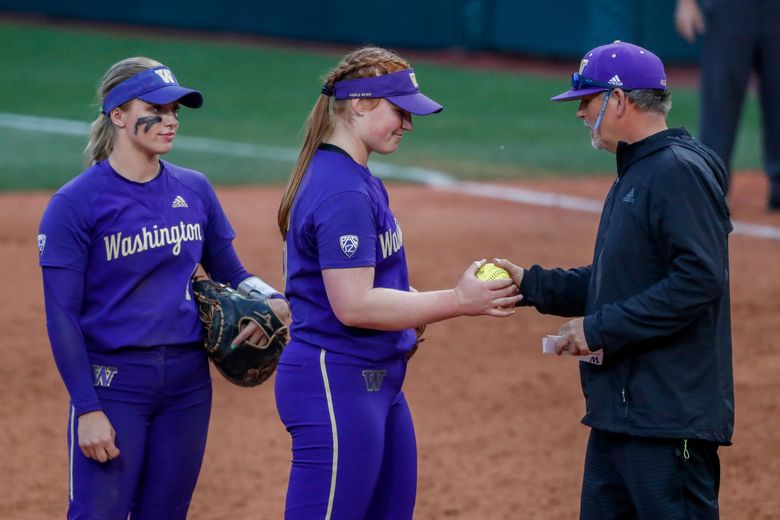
(157, 86)
(399, 88)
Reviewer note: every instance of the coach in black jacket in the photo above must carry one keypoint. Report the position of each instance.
(655, 300)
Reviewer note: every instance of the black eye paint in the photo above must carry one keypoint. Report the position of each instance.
(149, 121)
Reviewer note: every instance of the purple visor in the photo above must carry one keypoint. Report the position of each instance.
(399, 88)
(157, 86)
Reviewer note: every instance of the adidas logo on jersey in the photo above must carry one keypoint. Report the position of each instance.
(179, 202)
(615, 80)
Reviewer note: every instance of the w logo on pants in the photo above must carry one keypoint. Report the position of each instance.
(374, 379)
(103, 375)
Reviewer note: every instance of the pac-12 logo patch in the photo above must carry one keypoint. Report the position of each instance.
(41, 243)
(349, 244)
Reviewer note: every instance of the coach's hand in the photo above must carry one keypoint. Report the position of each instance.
(96, 436)
(514, 271)
(573, 339)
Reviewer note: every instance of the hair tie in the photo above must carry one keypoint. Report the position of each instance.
(327, 90)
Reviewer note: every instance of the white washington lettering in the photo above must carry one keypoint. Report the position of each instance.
(391, 241)
(118, 245)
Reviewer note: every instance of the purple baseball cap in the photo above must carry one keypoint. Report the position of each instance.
(399, 88)
(617, 65)
(157, 85)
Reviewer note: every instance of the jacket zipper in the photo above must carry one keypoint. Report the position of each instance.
(624, 388)
(625, 402)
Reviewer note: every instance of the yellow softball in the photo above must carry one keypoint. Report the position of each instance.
(491, 271)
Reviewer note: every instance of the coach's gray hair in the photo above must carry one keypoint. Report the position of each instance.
(101, 139)
(651, 100)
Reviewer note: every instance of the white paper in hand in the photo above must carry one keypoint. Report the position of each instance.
(548, 344)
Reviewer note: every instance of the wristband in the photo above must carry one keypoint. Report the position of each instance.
(253, 284)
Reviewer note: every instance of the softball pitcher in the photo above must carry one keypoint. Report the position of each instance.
(118, 246)
(338, 384)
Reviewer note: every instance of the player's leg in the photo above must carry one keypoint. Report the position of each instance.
(672, 479)
(396, 489)
(726, 61)
(604, 494)
(177, 437)
(303, 406)
(105, 490)
(335, 409)
(367, 421)
(768, 69)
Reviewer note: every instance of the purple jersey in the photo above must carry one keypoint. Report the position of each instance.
(138, 245)
(341, 219)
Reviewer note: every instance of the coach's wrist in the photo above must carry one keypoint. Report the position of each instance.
(590, 328)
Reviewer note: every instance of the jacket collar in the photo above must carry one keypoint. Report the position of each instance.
(627, 154)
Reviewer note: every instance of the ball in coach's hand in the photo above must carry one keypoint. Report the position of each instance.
(491, 271)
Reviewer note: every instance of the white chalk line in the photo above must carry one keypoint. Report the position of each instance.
(433, 178)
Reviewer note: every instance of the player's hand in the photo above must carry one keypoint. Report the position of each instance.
(572, 339)
(253, 333)
(689, 20)
(281, 308)
(493, 298)
(96, 436)
(514, 271)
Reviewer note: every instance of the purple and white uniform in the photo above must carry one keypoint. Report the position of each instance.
(117, 259)
(338, 388)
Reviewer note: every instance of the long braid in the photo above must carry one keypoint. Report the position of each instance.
(361, 63)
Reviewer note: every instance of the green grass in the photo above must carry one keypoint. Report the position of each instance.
(495, 125)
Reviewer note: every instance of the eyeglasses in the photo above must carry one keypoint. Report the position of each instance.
(579, 81)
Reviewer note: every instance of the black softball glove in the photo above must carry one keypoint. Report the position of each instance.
(224, 313)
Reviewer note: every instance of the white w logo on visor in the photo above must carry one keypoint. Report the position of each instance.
(165, 75)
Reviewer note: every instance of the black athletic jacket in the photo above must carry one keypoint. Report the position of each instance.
(656, 297)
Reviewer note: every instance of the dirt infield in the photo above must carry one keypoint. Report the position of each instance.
(497, 423)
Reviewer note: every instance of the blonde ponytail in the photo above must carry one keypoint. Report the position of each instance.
(101, 138)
